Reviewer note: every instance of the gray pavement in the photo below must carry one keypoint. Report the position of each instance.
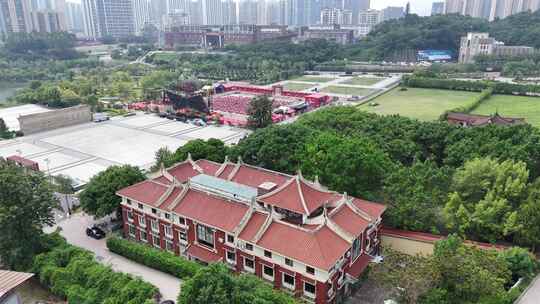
(532, 294)
(73, 229)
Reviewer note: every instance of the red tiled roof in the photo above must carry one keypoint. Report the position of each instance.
(320, 249)
(253, 177)
(147, 192)
(203, 254)
(170, 199)
(162, 180)
(375, 210)
(9, 280)
(295, 193)
(359, 266)
(347, 219)
(22, 161)
(253, 226)
(209, 167)
(211, 210)
(183, 171)
(227, 171)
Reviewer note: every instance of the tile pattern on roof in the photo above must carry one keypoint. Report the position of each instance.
(10, 280)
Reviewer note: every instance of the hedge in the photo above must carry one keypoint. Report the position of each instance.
(73, 274)
(473, 86)
(153, 258)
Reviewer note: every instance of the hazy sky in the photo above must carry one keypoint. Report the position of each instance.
(420, 7)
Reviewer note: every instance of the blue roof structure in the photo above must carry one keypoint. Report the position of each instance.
(222, 186)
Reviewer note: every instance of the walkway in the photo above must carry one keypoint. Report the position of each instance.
(532, 294)
(73, 229)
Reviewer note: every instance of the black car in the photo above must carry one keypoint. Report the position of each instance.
(95, 232)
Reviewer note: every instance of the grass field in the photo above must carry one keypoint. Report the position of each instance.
(297, 86)
(314, 79)
(366, 81)
(512, 106)
(347, 90)
(422, 104)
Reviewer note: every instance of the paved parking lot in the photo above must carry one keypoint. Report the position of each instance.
(84, 150)
(73, 229)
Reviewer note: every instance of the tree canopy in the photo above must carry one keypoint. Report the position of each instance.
(99, 196)
(26, 206)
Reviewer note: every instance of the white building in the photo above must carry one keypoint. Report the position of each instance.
(74, 17)
(141, 14)
(367, 20)
(475, 44)
(331, 16)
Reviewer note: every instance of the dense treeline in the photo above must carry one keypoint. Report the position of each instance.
(57, 45)
(391, 39)
(418, 168)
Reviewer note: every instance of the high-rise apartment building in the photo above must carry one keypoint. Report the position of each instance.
(16, 16)
(248, 11)
(490, 9)
(330, 16)
(47, 21)
(392, 12)
(437, 8)
(142, 14)
(367, 20)
(74, 17)
(112, 18)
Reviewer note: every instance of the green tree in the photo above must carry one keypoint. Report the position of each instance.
(164, 157)
(470, 274)
(484, 192)
(260, 112)
(524, 223)
(212, 149)
(520, 261)
(416, 195)
(414, 275)
(351, 165)
(26, 205)
(99, 197)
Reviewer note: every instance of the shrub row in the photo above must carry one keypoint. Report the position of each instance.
(471, 105)
(474, 86)
(153, 258)
(73, 274)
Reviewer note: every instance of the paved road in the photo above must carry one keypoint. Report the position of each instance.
(73, 231)
(532, 294)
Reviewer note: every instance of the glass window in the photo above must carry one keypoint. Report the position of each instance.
(310, 270)
(288, 279)
(154, 224)
(288, 262)
(182, 220)
(131, 230)
(309, 288)
(182, 235)
(168, 216)
(230, 238)
(249, 264)
(169, 245)
(249, 247)
(267, 254)
(140, 206)
(130, 215)
(168, 231)
(205, 235)
(142, 221)
(154, 211)
(144, 236)
(128, 201)
(157, 242)
(231, 256)
(356, 248)
(268, 271)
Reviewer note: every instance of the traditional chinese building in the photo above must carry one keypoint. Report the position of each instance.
(289, 231)
(471, 120)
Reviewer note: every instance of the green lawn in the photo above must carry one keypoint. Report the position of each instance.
(314, 79)
(347, 90)
(512, 106)
(422, 104)
(366, 81)
(297, 86)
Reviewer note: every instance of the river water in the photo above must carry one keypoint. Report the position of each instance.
(8, 89)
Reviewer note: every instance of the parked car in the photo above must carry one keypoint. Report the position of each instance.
(99, 117)
(95, 232)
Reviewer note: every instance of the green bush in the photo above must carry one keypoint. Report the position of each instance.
(153, 258)
(473, 86)
(73, 274)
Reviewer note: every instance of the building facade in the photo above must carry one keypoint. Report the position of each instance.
(16, 16)
(335, 33)
(437, 8)
(291, 232)
(113, 18)
(330, 16)
(475, 44)
(490, 9)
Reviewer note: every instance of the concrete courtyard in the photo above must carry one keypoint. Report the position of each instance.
(84, 150)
